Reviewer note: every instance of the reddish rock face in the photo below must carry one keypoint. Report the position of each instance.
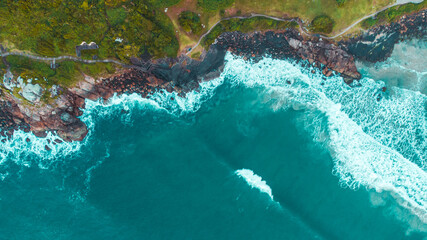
(183, 74)
(61, 116)
(289, 44)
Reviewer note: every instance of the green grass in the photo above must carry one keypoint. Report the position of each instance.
(89, 53)
(163, 3)
(2, 66)
(53, 28)
(341, 2)
(307, 10)
(245, 25)
(214, 5)
(116, 16)
(393, 14)
(196, 55)
(66, 74)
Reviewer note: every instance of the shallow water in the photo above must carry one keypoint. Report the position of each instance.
(267, 151)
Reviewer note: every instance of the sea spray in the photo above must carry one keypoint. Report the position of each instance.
(405, 68)
(345, 119)
(191, 102)
(49, 149)
(255, 181)
(360, 159)
(22, 146)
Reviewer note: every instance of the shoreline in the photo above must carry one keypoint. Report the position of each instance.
(183, 74)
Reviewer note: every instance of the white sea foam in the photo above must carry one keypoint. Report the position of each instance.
(22, 145)
(192, 101)
(161, 100)
(255, 181)
(405, 68)
(372, 142)
(18, 149)
(377, 144)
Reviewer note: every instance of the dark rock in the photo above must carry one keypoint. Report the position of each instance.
(289, 44)
(184, 74)
(378, 43)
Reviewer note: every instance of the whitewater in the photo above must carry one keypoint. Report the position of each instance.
(375, 132)
(366, 152)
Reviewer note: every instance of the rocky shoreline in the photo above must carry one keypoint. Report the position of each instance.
(184, 74)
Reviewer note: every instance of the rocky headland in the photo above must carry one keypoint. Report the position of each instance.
(183, 74)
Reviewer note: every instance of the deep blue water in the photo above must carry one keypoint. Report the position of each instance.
(336, 163)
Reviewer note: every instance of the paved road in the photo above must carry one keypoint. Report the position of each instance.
(398, 2)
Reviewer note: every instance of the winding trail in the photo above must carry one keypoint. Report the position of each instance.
(301, 27)
(75, 59)
(60, 58)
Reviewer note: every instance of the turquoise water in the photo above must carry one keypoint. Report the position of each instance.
(267, 151)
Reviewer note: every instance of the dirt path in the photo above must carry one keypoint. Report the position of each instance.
(72, 58)
(398, 2)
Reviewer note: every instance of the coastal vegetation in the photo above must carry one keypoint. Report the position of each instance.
(322, 24)
(65, 74)
(246, 25)
(214, 5)
(123, 28)
(53, 28)
(190, 22)
(393, 14)
(341, 2)
(344, 13)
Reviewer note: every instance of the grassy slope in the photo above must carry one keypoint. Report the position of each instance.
(307, 10)
(245, 25)
(55, 27)
(393, 13)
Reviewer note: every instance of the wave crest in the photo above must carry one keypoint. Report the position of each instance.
(360, 130)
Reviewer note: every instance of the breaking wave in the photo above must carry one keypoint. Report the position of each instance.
(376, 138)
(21, 146)
(255, 181)
(405, 68)
(25, 149)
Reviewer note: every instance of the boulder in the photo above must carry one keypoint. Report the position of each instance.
(32, 92)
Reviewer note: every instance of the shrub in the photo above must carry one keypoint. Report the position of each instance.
(341, 2)
(369, 23)
(190, 22)
(393, 13)
(322, 24)
(245, 25)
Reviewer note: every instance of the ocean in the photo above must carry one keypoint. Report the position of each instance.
(269, 150)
